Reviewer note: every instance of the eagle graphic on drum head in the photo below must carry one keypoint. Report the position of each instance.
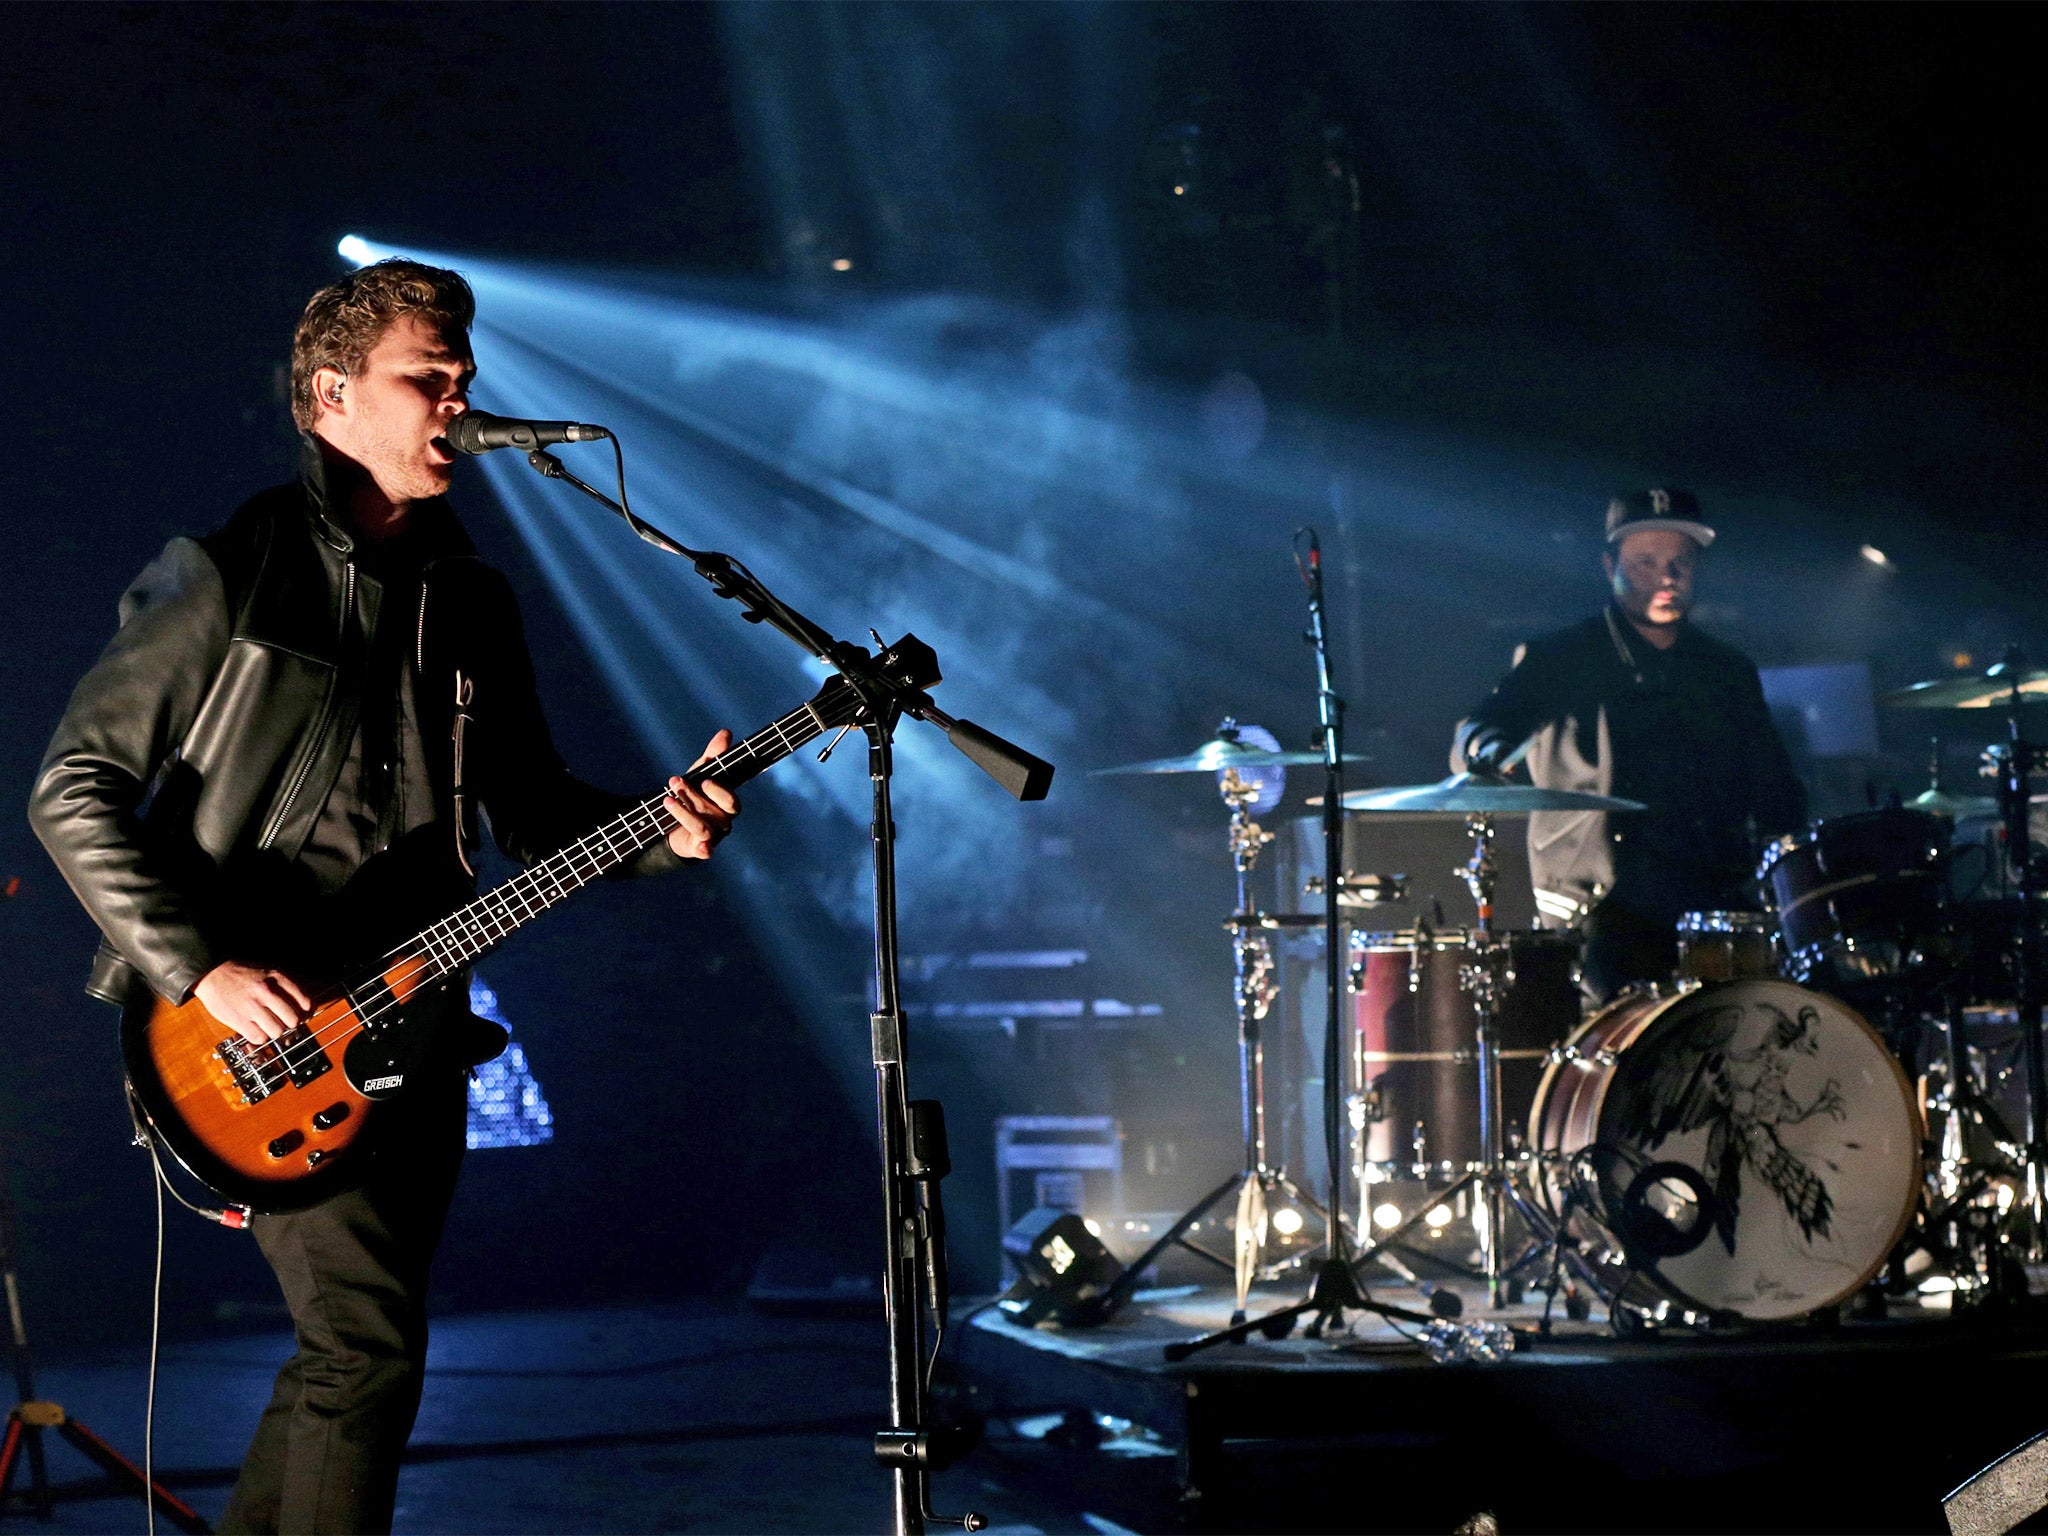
(1703, 1079)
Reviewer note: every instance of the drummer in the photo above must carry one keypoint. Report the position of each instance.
(1637, 702)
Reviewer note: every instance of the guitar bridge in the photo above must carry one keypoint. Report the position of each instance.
(260, 1070)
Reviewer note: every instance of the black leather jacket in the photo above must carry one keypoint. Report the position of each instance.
(195, 757)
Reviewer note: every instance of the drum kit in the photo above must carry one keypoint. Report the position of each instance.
(1837, 1098)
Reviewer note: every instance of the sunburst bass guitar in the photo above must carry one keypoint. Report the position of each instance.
(284, 1125)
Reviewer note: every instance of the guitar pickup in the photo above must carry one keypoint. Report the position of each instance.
(301, 1056)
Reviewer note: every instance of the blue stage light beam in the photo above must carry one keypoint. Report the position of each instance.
(1100, 559)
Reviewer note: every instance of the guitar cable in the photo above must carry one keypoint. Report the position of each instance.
(234, 1216)
(156, 1319)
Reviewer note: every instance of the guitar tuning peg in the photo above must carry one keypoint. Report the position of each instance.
(831, 745)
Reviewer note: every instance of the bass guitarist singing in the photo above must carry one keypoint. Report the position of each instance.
(330, 670)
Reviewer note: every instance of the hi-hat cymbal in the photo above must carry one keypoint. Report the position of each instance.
(1215, 756)
(1463, 795)
(1976, 690)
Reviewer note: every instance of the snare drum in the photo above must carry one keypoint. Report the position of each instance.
(1414, 1061)
(1749, 1147)
(1725, 946)
(1857, 896)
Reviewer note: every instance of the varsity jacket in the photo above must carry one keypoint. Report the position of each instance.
(1569, 696)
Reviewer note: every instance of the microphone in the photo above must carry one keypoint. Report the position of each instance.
(480, 432)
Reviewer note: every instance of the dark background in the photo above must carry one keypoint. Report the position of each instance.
(1788, 254)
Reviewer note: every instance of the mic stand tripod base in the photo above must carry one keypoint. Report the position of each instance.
(1334, 1292)
(25, 1425)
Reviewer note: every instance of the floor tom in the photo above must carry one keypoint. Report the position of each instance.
(1414, 1066)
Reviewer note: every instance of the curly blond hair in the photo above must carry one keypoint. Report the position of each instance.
(344, 320)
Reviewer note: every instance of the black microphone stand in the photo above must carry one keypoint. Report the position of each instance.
(1335, 1289)
(914, 1157)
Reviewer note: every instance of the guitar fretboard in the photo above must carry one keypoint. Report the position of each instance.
(473, 930)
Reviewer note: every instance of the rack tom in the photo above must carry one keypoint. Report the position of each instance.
(1414, 1056)
(1859, 898)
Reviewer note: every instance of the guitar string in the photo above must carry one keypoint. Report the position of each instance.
(639, 823)
(636, 822)
(567, 857)
(286, 1060)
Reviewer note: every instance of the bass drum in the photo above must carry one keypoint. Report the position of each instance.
(1748, 1148)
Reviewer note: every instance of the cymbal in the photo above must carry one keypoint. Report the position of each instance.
(1463, 795)
(1959, 807)
(1215, 756)
(1975, 690)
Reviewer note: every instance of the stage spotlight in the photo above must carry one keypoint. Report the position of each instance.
(1388, 1215)
(1877, 557)
(1062, 1270)
(841, 264)
(1287, 1221)
(1438, 1218)
(356, 250)
(1094, 1227)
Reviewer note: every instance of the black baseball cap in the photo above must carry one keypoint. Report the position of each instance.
(1659, 508)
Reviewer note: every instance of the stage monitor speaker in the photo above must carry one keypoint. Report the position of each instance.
(1062, 1270)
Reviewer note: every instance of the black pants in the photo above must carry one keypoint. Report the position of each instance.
(354, 1272)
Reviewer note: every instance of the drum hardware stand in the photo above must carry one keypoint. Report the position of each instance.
(1965, 1240)
(1492, 1181)
(2015, 784)
(1335, 1289)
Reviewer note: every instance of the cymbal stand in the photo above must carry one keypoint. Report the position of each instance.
(1254, 990)
(1962, 1235)
(2015, 785)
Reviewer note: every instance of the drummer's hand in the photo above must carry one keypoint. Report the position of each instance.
(1485, 773)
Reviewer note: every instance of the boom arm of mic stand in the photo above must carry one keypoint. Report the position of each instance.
(1024, 776)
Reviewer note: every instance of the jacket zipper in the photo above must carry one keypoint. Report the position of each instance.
(284, 806)
(419, 644)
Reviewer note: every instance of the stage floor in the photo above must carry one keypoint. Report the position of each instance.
(700, 1416)
(711, 1417)
(1854, 1426)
